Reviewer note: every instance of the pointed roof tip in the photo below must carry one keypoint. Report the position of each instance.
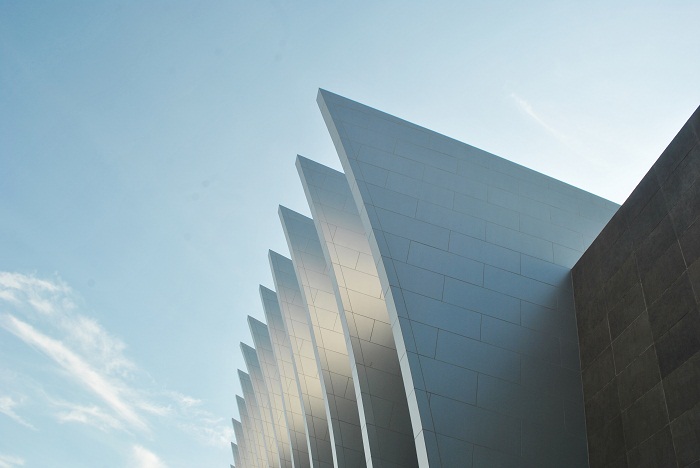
(288, 212)
(324, 93)
(325, 97)
(266, 290)
(306, 163)
(310, 163)
(303, 159)
(279, 258)
(252, 321)
(246, 347)
(242, 374)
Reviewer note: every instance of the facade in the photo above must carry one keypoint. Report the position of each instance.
(637, 294)
(428, 315)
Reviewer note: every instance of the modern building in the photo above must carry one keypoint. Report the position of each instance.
(445, 307)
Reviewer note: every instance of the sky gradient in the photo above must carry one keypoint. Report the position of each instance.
(145, 146)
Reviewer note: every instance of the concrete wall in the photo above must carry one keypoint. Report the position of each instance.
(637, 293)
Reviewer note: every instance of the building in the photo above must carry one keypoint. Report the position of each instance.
(447, 307)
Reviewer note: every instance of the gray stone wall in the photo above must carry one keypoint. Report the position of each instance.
(637, 291)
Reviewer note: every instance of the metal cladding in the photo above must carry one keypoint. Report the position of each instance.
(236, 456)
(240, 456)
(474, 255)
(271, 378)
(293, 410)
(250, 356)
(384, 413)
(260, 452)
(250, 456)
(427, 315)
(306, 363)
(330, 343)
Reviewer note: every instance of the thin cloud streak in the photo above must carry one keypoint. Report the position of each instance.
(144, 458)
(10, 461)
(7, 405)
(91, 415)
(528, 109)
(75, 366)
(44, 316)
(201, 424)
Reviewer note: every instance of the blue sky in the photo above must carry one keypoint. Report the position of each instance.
(145, 146)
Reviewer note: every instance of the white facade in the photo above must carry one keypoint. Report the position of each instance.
(435, 295)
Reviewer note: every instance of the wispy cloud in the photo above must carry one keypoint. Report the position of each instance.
(8, 296)
(215, 434)
(76, 367)
(45, 315)
(527, 108)
(38, 293)
(91, 415)
(10, 461)
(55, 303)
(107, 351)
(201, 424)
(7, 405)
(144, 458)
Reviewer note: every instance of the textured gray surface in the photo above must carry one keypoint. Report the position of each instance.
(637, 299)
